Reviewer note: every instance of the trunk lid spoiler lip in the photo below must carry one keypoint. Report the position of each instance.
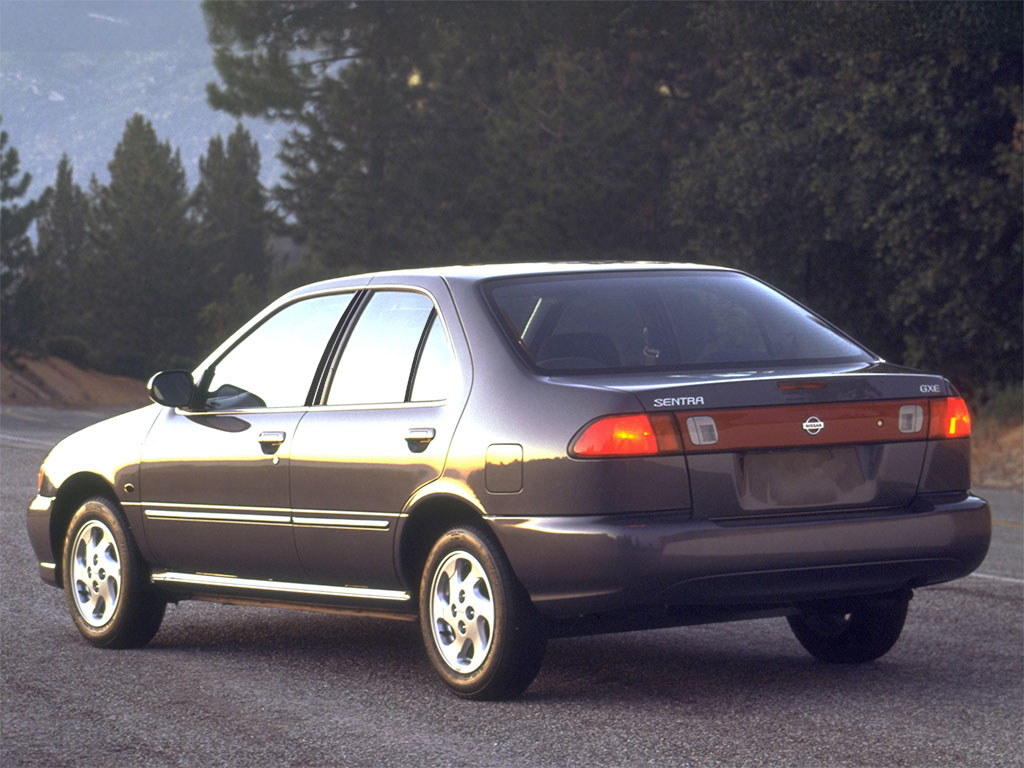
(736, 389)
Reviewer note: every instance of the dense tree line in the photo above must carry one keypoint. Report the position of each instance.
(865, 157)
(139, 273)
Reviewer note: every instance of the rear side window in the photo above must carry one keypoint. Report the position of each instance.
(397, 352)
(664, 320)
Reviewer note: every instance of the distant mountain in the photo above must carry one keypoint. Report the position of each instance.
(72, 74)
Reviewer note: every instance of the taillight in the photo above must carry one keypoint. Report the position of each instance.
(630, 434)
(949, 418)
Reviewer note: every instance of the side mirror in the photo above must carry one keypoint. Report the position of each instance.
(172, 388)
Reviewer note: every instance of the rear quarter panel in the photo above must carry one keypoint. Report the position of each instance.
(510, 407)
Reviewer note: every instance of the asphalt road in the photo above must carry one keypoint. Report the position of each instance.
(231, 686)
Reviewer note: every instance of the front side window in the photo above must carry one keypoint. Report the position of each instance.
(274, 366)
(397, 352)
(631, 322)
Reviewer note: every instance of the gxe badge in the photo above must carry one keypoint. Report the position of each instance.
(813, 425)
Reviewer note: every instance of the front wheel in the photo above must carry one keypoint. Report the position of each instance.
(863, 634)
(479, 628)
(110, 600)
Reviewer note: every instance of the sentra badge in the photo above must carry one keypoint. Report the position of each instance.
(813, 425)
(675, 402)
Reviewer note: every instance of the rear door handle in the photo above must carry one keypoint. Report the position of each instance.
(419, 438)
(271, 441)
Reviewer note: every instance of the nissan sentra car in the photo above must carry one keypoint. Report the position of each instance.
(519, 452)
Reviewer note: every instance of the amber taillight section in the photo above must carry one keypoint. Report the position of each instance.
(630, 434)
(949, 418)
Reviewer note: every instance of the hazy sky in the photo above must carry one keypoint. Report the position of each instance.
(72, 72)
(69, 25)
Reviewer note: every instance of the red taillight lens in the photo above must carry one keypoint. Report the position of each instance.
(632, 434)
(949, 418)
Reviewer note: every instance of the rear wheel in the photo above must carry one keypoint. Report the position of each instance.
(109, 597)
(479, 628)
(863, 634)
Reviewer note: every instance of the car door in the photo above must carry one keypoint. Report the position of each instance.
(382, 431)
(214, 482)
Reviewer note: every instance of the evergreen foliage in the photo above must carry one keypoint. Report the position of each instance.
(865, 157)
(883, 189)
(17, 308)
(233, 228)
(147, 283)
(860, 155)
(60, 267)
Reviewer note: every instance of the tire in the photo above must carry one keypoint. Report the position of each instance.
(105, 579)
(480, 629)
(863, 634)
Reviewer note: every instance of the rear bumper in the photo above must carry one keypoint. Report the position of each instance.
(573, 566)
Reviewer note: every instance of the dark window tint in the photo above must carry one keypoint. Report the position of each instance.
(377, 361)
(678, 320)
(274, 365)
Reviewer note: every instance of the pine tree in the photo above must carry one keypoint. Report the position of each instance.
(18, 309)
(407, 118)
(230, 206)
(145, 285)
(384, 146)
(571, 162)
(873, 147)
(60, 263)
(822, 146)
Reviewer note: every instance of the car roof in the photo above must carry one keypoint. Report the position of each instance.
(488, 271)
(478, 272)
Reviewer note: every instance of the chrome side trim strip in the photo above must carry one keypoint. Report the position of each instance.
(216, 517)
(346, 512)
(48, 566)
(341, 522)
(232, 513)
(172, 505)
(292, 588)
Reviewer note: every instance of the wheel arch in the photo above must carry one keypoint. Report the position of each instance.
(72, 492)
(423, 525)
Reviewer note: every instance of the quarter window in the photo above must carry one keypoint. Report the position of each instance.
(435, 368)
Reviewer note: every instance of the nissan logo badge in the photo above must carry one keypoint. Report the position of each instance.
(813, 425)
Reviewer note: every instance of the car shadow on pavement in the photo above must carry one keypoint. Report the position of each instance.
(715, 662)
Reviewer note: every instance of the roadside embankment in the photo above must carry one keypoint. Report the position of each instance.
(30, 380)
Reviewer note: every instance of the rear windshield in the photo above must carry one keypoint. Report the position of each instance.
(632, 322)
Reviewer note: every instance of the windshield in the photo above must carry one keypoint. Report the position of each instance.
(635, 321)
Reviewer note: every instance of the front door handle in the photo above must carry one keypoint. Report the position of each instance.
(271, 441)
(418, 439)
